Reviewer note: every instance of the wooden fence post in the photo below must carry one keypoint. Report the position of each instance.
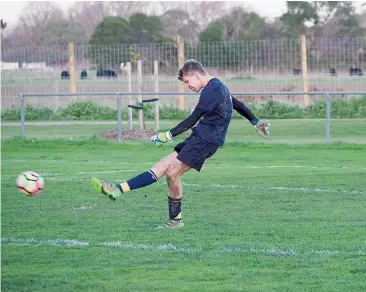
(304, 69)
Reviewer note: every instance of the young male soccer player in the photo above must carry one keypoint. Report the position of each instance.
(213, 114)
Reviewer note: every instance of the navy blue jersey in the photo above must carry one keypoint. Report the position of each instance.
(216, 103)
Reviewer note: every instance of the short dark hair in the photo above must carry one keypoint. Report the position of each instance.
(190, 65)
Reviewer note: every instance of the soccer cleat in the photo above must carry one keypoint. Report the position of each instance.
(262, 128)
(171, 224)
(107, 188)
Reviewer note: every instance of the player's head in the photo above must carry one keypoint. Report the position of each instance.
(193, 74)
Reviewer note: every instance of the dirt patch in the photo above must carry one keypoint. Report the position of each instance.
(129, 134)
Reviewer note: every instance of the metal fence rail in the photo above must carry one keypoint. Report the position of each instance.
(118, 95)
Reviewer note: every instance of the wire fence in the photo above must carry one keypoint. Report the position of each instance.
(116, 97)
(260, 65)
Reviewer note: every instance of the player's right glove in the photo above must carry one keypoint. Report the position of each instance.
(161, 138)
(262, 127)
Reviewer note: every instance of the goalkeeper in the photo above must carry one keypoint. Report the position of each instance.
(213, 114)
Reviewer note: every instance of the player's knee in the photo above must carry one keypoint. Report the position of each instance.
(172, 174)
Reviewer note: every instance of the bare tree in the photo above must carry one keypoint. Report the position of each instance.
(202, 12)
(207, 11)
(88, 14)
(3, 26)
(34, 18)
(178, 22)
(125, 9)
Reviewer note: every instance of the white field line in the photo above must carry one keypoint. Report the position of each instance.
(48, 176)
(274, 188)
(173, 247)
(88, 172)
(68, 123)
(208, 165)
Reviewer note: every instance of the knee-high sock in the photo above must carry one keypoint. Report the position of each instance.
(142, 180)
(175, 208)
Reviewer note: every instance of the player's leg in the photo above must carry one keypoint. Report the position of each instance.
(113, 190)
(175, 194)
(192, 154)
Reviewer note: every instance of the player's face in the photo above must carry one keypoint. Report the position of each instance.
(193, 82)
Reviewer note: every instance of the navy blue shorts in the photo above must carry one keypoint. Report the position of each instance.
(194, 151)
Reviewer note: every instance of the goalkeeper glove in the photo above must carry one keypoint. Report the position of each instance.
(161, 138)
(262, 127)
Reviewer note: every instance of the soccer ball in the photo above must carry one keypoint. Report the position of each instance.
(30, 183)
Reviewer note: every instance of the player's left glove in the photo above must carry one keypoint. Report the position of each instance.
(161, 138)
(262, 127)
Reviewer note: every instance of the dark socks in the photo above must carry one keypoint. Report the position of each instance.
(142, 180)
(254, 121)
(174, 208)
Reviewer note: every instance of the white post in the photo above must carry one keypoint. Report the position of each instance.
(129, 82)
(139, 89)
(156, 78)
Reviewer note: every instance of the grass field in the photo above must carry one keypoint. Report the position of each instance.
(283, 214)
(282, 131)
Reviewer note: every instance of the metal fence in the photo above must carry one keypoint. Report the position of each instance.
(336, 64)
(118, 103)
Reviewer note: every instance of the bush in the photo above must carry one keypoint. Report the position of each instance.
(341, 108)
(171, 113)
(31, 114)
(86, 111)
(276, 110)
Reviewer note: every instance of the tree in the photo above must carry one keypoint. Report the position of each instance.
(302, 15)
(57, 35)
(178, 22)
(145, 29)
(125, 9)
(62, 32)
(298, 13)
(109, 34)
(348, 21)
(273, 29)
(88, 14)
(233, 28)
(213, 33)
(253, 27)
(112, 30)
(236, 25)
(145, 32)
(3, 26)
(202, 12)
(34, 18)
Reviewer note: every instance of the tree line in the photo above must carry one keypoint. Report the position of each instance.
(44, 23)
(134, 23)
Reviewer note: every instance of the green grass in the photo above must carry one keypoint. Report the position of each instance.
(261, 216)
(282, 131)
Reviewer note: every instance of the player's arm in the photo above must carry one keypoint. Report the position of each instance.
(183, 126)
(208, 100)
(262, 127)
(242, 109)
(188, 123)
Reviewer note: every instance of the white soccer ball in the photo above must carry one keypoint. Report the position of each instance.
(30, 183)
